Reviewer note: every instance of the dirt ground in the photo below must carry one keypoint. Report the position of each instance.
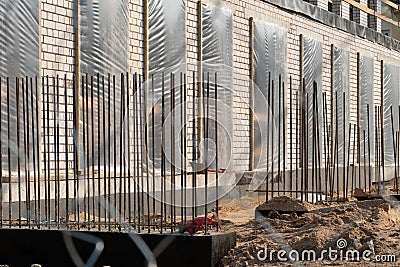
(372, 225)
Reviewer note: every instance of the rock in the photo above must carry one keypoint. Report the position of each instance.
(385, 206)
(338, 221)
(273, 214)
(285, 204)
(357, 244)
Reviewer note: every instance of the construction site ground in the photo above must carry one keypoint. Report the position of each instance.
(364, 225)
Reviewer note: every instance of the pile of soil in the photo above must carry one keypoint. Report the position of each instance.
(365, 225)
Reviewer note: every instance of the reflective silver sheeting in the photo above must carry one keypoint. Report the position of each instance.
(390, 100)
(367, 98)
(312, 69)
(217, 58)
(104, 36)
(19, 57)
(167, 55)
(342, 102)
(269, 59)
(104, 49)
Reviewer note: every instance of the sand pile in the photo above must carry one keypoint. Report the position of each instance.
(364, 225)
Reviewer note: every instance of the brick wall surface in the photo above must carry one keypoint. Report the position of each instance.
(57, 58)
(57, 55)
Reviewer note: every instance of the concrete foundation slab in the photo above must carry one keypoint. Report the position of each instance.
(23, 247)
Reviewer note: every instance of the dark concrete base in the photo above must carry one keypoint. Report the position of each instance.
(23, 247)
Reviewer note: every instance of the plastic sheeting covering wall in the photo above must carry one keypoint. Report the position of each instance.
(269, 63)
(104, 49)
(19, 57)
(104, 36)
(167, 55)
(390, 101)
(312, 71)
(366, 73)
(217, 58)
(341, 101)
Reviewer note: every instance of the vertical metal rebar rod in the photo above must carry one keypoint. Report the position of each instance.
(397, 163)
(314, 139)
(302, 148)
(128, 98)
(124, 145)
(369, 149)
(324, 122)
(291, 135)
(48, 199)
(297, 145)
(99, 89)
(162, 153)
(394, 143)
(84, 146)
(76, 144)
(57, 146)
(121, 145)
(182, 132)
(272, 138)
(108, 206)
(173, 160)
(268, 135)
(284, 123)
(344, 142)
(185, 145)
(359, 154)
(38, 151)
(279, 130)
(206, 96)
(104, 149)
(353, 174)
(87, 165)
(334, 158)
(140, 161)
(216, 148)
(115, 151)
(181, 147)
(303, 144)
(376, 143)
(337, 144)
(135, 154)
(27, 154)
(153, 106)
(365, 161)
(66, 152)
(194, 149)
(398, 143)
(92, 150)
(382, 147)
(345, 185)
(9, 154)
(306, 159)
(86, 155)
(35, 181)
(17, 99)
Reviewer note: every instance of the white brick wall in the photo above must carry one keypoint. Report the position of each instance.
(57, 51)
